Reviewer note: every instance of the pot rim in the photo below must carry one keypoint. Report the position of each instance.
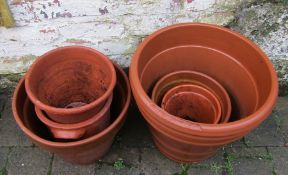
(215, 105)
(107, 130)
(68, 111)
(256, 116)
(86, 123)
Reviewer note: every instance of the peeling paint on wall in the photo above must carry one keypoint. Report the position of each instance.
(113, 27)
(116, 27)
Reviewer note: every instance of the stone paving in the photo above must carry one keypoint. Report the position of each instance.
(264, 151)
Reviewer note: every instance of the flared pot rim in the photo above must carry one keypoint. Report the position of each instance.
(70, 111)
(164, 118)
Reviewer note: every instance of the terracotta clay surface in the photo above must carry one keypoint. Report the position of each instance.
(213, 63)
(84, 151)
(231, 59)
(191, 77)
(80, 130)
(71, 83)
(192, 102)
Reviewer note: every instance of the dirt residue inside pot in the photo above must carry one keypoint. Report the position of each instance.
(75, 105)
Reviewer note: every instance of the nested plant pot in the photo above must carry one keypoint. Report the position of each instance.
(191, 77)
(80, 130)
(82, 151)
(231, 59)
(71, 84)
(192, 102)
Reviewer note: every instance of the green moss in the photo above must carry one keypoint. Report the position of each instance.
(265, 29)
(250, 15)
(184, 169)
(218, 18)
(281, 67)
(119, 164)
(228, 165)
(216, 168)
(283, 2)
(272, 1)
(271, 28)
(3, 171)
(8, 83)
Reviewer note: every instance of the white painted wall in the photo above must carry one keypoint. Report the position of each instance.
(114, 27)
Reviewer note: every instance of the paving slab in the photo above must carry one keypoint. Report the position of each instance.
(10, 133)
(211, 166)
(266, 134)
(237, 143)
(282, 116)
(248, 161)
(120, 160)
(154, 163)
(60, 167)
(130, 156)
(28, 160)
(4, 151)
(280, 159)
(110, 169)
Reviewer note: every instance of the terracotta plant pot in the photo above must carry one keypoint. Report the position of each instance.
(83, 151)
(191, 77)
(231, 59)
(192, 102)
(84, 129)
(71, 84)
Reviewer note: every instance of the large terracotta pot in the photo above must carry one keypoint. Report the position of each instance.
(191, 77)
(80, 130)
(231, 59)
(192, 102)
(82, 151)
(71, 84)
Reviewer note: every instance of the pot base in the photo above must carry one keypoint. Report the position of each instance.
(183, 158)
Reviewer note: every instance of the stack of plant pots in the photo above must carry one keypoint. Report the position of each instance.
(194, 96)
(199, 87)
(72, 101)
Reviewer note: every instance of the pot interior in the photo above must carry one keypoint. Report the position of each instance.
(70, 78)
(191, 106)
(224, 56)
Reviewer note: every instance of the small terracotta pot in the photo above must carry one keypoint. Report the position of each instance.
(191, 77)
(192, 102)
(81, 130)
(71, 84)
(231, 59)
(83, 151)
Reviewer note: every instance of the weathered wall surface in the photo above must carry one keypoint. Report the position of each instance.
(116, 27)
